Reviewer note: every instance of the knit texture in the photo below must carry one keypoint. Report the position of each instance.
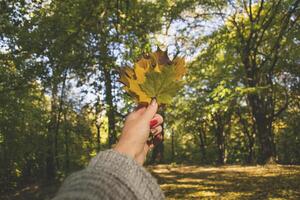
(110, 175)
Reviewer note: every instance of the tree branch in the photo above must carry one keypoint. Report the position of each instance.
(284, 107)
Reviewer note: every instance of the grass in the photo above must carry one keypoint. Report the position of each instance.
(228, 182)
(205, 182)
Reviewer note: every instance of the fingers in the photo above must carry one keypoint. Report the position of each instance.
(156, 130)
(157, 120)
(150, 110)
(155, 141)
(157, 136)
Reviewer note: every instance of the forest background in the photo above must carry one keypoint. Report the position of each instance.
(61, 101)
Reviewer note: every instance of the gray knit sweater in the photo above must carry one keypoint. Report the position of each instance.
(110, 175)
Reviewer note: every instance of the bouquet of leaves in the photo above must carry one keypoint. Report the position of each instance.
(154, 76)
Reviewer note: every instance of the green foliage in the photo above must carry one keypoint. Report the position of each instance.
(218, 100)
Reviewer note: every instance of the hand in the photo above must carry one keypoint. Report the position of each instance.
(138, 125)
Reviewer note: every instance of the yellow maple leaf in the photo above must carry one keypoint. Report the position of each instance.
(180, 68)
(140, 69)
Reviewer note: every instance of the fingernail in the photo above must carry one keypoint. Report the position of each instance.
(153, 122)
(153, 101)
(153, 131)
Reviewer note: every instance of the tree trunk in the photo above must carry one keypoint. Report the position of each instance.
(264, 129)
(98, 137)
(158, 153)
(50, 168)
(250, 157)
(222, 125)
(57, 121)
(262, 105)
(7, 163)
(50, 162)
(220, 138)
(250, 137)
(221, 146)
(202, 146)
(263, 121)
(112, 136)
(67, 156)
(173, 146)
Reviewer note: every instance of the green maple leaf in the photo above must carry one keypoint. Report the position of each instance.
(161, 85)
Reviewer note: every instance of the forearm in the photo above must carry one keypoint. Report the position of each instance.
(110, 175)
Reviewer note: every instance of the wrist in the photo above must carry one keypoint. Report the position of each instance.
(125, 150)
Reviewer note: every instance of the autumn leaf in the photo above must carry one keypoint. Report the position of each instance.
(154, 75)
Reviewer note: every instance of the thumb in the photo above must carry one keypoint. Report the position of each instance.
(150, 110)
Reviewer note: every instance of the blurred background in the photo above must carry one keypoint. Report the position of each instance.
(61, 102)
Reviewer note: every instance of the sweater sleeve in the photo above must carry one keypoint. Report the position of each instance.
(110, 175)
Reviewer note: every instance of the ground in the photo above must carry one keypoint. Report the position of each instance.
(229, 182)
(205, 182)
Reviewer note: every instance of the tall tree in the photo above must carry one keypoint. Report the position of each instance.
(261, 40)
